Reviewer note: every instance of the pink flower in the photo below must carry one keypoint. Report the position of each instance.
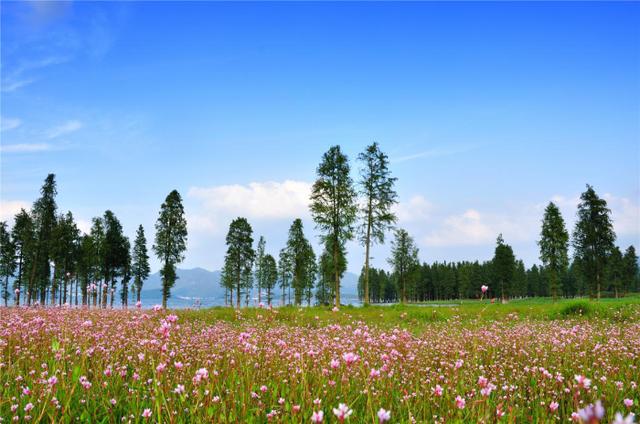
(157, 308)
(317, 417)
(146, 413)
(618, 419)
(295, 408)
(350, 358)
(52, 381)
(113, 402)
(460, 402)
(201, 374)
(263, 389)
(553, 406)
(593, 412)
(335, 309)
(484, 288)
(28, 407)
(161, 367)
(374, 373)
(437, 390)
(335, 363)
(583, 381)
(383, 416)
(459, 363)
(342, 412)
(482, 381)
(628, 403)
(575, 417)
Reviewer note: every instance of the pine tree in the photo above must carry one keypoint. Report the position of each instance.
(302, 259)
(259, 272)
(86, 261)
(240, 255)
(97, 263)
(554, 244)
(593, 238)
(404, 259)
(377, 190)
(504, 267)
(24, 239)
(630, 269)
(125, 272)
(333, 206)
(44, 219)
(140, 258)
(64, 252)
(269, 271)
(615, 271)
(115, 251)
(324, 289)
(8, 262)
(284, 272)
(171, 241)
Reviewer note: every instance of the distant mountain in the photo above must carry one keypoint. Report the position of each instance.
(201, 283)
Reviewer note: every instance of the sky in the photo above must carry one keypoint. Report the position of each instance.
(487, 111)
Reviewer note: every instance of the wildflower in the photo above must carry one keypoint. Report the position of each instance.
(460, 402)
(583, 381)
(335, 363)
(335, 309)
(157, 308)
(263, 389)
(459, 363)
(113, 402)
(28, 407)
(138, 304)
(179, 389)
(592, 412)
(437, 390)
(317, 417)
(178, 365)
(628, 403)
(342, 412)
(201, 374)
(350, 358)
(216, 399)
(484, 289)
(374, 373)
(161, 367)
(295, 408)
(553, 406)
(53, 380)
(146, 413)
(482, 381)
(619, 419)
(383, 416)
(281, 401)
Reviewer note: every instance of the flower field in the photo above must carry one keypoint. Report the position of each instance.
(290, 365)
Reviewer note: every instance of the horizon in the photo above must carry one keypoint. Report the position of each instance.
(483, 127)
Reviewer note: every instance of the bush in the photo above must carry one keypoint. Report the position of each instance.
(577, 308)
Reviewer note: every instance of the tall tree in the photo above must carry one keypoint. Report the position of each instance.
(593, 238)
(171, 241)
(615, 270)
(140, 262)
(377, 190)
(125, 272)
(115, 253)
(333, 206)
(97, 264)
(24, 240)
(85, 267)
(284, 272)
(302, 259)
(504, 266)
(554, 244)
(259, 271)
(64, 251)
(630, 269)
(44, 219)
(8, 262)
(404, 259)
(269, 271)
(240, 255)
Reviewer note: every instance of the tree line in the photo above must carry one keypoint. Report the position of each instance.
(50, 261)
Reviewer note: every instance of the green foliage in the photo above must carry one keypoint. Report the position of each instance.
(239, 258)
(404, 259)
(171, 239)
(269, 275)
(577, 308)
(554, 244)
(504, 267)
(378, 195)
(140, 259)
(302, 259)
(593, 238)
(7, 260)
(333, 206)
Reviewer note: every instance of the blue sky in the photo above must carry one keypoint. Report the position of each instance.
(487, 111)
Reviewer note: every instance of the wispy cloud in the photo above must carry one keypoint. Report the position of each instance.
(7, 124)
(64, 129)
(437, 152)
(25, 148)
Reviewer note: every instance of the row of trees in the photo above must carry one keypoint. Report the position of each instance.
(50, 261)
(338, 216)
(598, 265)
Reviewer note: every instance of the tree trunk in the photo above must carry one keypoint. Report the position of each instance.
(366, 259)
(336, 271)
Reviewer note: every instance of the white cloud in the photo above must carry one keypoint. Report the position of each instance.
(625, 214)
(9, 209)
(7, 124)
(84, 225)
(63, 129)
(12, 85)
(25, 148)
(469, 228)
(257, 200)
(418, 208)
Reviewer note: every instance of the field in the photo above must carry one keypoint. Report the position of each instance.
(526, 361)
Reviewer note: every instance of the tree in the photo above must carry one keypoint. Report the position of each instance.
(7, 260)
(615, 270)
(97, 264)
(404, 259)
(115, 254)
(64, 251)
(554, 244)
(504, 266)
(85, 267)
(284, 272)
(302, 259)
(333, 206)
(593, 238)
(125, 272)
(24, 240)
(377, 189)
(171, 241)
(630, 265)
(240, 255)
(140, 262)
(44, 219)
(259, 271)
(269, 271)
